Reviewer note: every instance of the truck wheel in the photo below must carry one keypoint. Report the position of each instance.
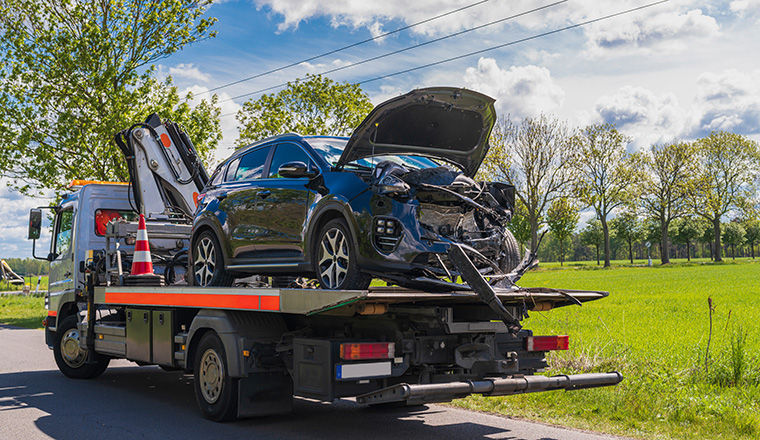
(215, 391)
(511, 256)
(71, 358)
(208, 262)
(336, 264)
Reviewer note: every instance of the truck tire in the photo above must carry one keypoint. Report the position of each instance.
(215, 391)
(336, 264)
(208, 262)
(70, 357)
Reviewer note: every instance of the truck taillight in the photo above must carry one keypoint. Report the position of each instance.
(368, 350)
(547, 343)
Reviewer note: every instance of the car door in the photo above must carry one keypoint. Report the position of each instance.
(238, 198)
(282, 205)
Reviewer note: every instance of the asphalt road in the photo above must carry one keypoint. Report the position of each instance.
(132, 402)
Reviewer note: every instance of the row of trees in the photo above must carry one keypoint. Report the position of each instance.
(558, 171)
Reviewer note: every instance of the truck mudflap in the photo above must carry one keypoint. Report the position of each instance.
(445, 392)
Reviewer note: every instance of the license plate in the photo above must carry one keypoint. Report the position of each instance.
(362, 371)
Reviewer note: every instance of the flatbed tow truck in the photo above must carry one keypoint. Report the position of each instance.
(251, 349)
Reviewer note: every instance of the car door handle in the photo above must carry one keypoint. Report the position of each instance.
(221, 197)
(264, 194)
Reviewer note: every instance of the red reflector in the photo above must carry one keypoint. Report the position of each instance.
(368, 350)
(547, 343)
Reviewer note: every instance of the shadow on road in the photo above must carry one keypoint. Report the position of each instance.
(134, 402)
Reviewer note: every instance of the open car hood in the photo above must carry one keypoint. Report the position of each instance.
(439, 122)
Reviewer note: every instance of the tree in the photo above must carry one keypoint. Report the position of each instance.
(752, 233)
(628, 228)
(689, 229)
(669, 170)
(533, 156)
(727, 164)
(520, 224)
(733, 234)
(608, 176)
(74, 73)
(315, 106)
(562, 218)
(592, 235)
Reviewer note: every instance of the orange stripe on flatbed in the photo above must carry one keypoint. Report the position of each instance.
(246, 302)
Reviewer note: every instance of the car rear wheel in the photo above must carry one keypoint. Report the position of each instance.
(335, 263)
(208, 262)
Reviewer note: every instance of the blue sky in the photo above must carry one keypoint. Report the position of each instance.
(675, 70)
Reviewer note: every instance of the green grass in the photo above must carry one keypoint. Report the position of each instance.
(653, 328)
(22, 311)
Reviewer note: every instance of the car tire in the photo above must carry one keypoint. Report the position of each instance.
(215, 391)
(71, 358)
(208, 262)
(511, 252)
(335, 259)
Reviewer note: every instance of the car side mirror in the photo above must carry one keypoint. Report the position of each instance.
(35, 224)
(295, 169)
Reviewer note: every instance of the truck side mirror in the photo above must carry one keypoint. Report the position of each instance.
(35, 224)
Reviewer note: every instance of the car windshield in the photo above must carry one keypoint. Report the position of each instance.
(332, 148)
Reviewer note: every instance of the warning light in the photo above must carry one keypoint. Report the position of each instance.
(368, 350)
(547, 343)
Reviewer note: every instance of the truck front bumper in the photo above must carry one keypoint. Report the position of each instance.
(445, 392)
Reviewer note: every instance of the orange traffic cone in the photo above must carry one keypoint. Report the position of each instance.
(141, 261)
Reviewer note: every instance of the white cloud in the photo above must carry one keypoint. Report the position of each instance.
(14, 227)
(187, 71)
(729, 101)
(742, 7)
(653, 31)
(647, 117)
(521, 91)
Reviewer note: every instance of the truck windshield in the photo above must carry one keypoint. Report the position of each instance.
(331, 149)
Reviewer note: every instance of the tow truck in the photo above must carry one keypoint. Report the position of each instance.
(251, 348)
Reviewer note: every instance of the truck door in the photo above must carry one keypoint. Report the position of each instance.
(62, 274)
(281, 206)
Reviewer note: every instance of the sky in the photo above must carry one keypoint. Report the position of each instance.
(673, 70)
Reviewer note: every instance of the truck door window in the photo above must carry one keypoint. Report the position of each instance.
(63, 235)
(252, 164)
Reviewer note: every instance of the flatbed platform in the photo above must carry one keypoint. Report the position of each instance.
(313, 301)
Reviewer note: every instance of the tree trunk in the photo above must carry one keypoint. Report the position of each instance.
(688, 251)
(597, 255)
(606, 232)
(752, 249)
(533, 234)
(716, 231)
(630, 250)
(665, 243)
(561, 253)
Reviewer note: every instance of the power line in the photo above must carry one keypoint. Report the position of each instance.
(259, 75)
(500, 46)
(395, 52)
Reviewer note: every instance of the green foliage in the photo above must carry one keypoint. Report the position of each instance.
(593, 235)
(316, 106)
(562, 218)
(533, 156)
(727, 164)
(75, 73)
(608, 175)
(752, 233)
(627, 227)
(520, 224)
(688, 230)
(733, 235)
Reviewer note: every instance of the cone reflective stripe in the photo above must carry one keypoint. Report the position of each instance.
(141, 262)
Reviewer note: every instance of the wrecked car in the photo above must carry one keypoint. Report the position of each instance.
(389, 202)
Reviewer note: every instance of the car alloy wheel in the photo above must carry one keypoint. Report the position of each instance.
(333, 258)
(205, 261)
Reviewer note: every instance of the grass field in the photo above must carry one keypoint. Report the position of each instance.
(5, 286)
(653, 328)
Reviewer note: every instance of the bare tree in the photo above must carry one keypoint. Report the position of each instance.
(533, 156)
(670, 168)
(727, 164)
(608, 175)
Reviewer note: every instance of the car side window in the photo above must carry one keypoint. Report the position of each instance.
(251, 165)
(287, 153)
(231, 169)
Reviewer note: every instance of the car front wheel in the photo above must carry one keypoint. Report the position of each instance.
(335, 264)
